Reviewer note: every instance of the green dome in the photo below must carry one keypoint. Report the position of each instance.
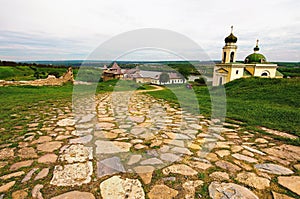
(231, 39)
(255, 58)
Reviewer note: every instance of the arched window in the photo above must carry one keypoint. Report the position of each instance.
(224, 57)
(265, 74)
(237, 72)
(231, 56)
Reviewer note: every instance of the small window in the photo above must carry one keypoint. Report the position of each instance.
(237, 72)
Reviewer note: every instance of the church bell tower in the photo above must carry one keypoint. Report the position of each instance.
(229, 50)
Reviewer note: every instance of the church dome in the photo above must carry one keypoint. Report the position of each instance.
(231, 39)
(255, 58)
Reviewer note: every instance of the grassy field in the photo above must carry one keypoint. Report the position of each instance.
(273, 103)
(18, 73)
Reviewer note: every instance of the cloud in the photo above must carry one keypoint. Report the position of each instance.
(65, 29)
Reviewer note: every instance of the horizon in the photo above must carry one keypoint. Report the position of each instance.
(173, 60)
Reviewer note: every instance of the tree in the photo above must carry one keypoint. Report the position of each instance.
(200, 81)
(185, 72)
(164, 77)
(55, 73)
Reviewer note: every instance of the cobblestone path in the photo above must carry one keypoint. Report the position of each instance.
(131, 145)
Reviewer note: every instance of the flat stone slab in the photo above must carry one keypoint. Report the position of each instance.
(151, 161)
(219, 176)
(29, 175)
(75, 195)
(7, 186)
(49, 146)
(287, 152)
(162, 191)
(134, 159)
(42, 174)
(6, 153)
(109, 166)
(48, 158)
(178, 136)
(137, 119)
(181, 150)
(290, 182)
(145, 172)
(109, 147)
(279, 133)
(254, 150)
(20, 194)
(12, 175)
(229, 190)
(77, 153)
(105, 125)
(170, 157)
(87, 118)
(222, 153)
(273, 169)
(179, 169)
(200, 165)
(27, 153)
(253, 180)
(195, 126)
(118, 188)
(36, 191)
(42, 139)
(19, 165)
(72, 174)
(81, 140)
(66, 122)
(244, 158)
(280, 196)
(228, 166)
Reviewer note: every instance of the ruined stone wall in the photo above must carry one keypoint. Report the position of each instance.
(49, 81)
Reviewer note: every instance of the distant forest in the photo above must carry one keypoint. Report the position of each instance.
(288, 69)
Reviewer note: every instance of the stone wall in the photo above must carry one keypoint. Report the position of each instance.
(49, 81)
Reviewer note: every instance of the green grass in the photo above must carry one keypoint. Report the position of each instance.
(273, 103)
(26, 73)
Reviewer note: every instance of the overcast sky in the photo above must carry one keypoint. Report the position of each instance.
(72, 29)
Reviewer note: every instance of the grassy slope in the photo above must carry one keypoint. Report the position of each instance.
(27, 73)
(273, 103)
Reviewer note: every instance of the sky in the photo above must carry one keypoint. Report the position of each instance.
(73, 29)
